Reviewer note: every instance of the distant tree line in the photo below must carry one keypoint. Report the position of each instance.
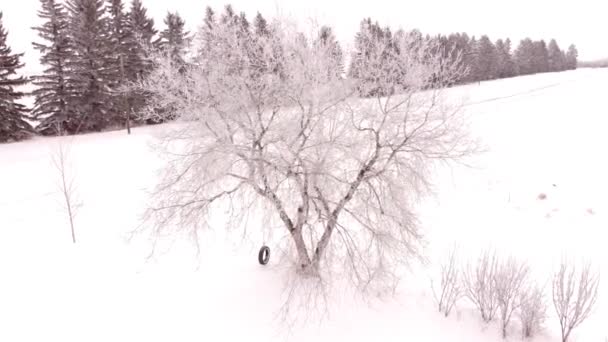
(483, 59)
(600, 63)
(92, 49)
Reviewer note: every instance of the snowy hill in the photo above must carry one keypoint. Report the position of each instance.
(544, 134)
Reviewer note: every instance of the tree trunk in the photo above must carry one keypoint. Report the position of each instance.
(304, 261)
(125, 108)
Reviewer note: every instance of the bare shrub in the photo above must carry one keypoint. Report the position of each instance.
(532, 310)
(479, 284)
(450, 288)
(509, 280)
(66, 183)
(575, 292)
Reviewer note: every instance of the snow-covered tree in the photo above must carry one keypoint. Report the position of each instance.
(142, 34)
(504, 59)
(260, 25)
(174, 39)
(575, 293)
(339, 176)
(555, 55)
(524, 57)
(54, 92)
(13, 124)
(541, 57)
(462, 51)
(138, 64)
(122, 46)
(486, 60)
(327, 38)
(373, 44)
(571, 57)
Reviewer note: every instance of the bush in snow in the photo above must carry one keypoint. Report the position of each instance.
(450, 288)
(479, 284)
(509, 281)
(575, 292)
(532, 310)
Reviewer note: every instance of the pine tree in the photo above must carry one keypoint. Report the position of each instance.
(328, 41)
(524, 57)
(142, 34)
(13, 124)
(260, 25)
(473, 75)
(375, 45)
(369, 36)
(52, 105)
(138, 64)
(174, 39)
(122, 46)
(510, 67)
(266, 54)
(571, 57)
(486, 60)
(229, 16)
(505, 62)
(556, 62)
(541, 57)
(206, 33)
(460, 45)
(90, 68)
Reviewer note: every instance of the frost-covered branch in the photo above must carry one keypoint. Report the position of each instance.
(263, 117)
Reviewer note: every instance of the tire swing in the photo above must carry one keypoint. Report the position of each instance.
(264, 255)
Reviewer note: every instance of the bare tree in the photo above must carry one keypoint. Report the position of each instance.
(66, 182)
(575, 292)
(450, 288)
(532, 310)
(266, 128)
(479, 283)
(509, 280)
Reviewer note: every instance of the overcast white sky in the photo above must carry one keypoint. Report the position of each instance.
(583, 22)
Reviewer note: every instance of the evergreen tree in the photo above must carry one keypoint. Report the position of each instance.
(571, 57)
(460, 45)
(206, 33)
(370, 36)
(13, 124)
(90, 67)
(524, 57)
(210, 21)
(228, 17)
(266, 53)
(328, 41)
(510, 67)
(122, 46)
(173, 39)
(138, 64)
(541, 57)
(556, 61)
(260, 25)
(375, 46)
(53, 93)
(486, 60)
(142, 33)
(504, 59)
(473, 75)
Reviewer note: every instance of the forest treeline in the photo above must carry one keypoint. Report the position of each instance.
(92, 49)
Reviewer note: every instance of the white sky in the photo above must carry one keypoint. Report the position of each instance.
(582, 22)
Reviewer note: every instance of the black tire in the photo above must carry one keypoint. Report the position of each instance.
(264, 255)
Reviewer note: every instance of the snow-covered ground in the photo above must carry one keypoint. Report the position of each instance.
(544, 134)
